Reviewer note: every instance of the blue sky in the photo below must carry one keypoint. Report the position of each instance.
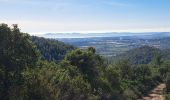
(41, 16)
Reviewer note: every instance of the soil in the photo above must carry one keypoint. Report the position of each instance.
(156, 93)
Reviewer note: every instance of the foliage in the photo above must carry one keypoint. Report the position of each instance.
(87, 62)
(81, 75)
(16, 53)
(141, 55)
(51, 82)
(51, 50)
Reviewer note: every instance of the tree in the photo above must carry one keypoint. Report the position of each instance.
(55, 82)
(88, 63)
(92, 50)
(156, 61)
(16, 53)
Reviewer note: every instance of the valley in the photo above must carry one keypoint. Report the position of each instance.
(116, 45)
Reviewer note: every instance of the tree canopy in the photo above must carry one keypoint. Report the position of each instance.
(66, 73)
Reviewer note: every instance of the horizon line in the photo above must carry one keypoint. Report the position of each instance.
(100, 32)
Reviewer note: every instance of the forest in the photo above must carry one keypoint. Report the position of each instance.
(34, 68)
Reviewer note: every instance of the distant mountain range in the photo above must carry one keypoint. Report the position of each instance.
(144, 35)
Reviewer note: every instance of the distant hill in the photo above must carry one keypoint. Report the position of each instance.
(144, 35)
(52, 50)
(141, 55)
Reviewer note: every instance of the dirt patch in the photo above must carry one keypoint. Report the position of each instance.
(156, 93)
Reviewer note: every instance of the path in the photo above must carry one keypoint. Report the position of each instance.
(156, 93)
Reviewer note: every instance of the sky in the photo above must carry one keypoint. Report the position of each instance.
(61, 16)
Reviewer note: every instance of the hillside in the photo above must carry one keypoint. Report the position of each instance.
(141, 55)
(52, 50)
(81, 75)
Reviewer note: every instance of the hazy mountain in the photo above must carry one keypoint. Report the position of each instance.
(145, 35)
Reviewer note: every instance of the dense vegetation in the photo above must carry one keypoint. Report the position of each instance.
(165, 75)
(81, 75)
(51, 50)
(142, 55)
